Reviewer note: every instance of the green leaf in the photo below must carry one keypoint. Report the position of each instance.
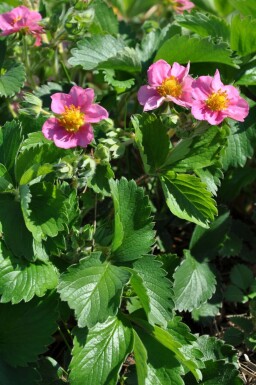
(104, 21)
(168, 341)
(183, 49)
(109, 77)
(188, 198)
(12, 78)
(217, 373)
(105, 52)
(205, 243)
(234, 336)
(197, 152)
(246, 7)
(241, 142)
(155, 364)
(233, 294)
(152, 140)
(215, 349)
(153, 289)
(247, 75)
(5, 179)
(99, 352)
(16, 236)
(99, 181)
(180, 331)
(18, 376)
(10, 138)
(131, 8)
(93, 289)
(243, 35)
(133, 234)
(241, 276)
(193, 277)
(22, 280)
(2, 47)
(43, 206)
(26, 329)
(205, 25)
(206, 313)
(211, 176)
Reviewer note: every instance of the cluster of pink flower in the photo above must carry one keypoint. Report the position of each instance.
(208, 98)
(22, 19)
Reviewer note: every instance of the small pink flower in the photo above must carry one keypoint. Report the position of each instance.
(21, 19)
(182, 5)
(166, 84)
(75, 111)
(213, 101)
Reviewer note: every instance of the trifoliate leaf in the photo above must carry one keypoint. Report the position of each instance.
(152, 140)
(99, 352)
(153, 289)
(22, 280)
(188, 198)
(183, 49)
(193, 277)
(133, 235)
(12, 78)
(93, 289)
(26, 329)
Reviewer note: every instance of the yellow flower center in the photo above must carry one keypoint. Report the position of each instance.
(18, 18)
(218, 101)
(72, 119)
(170, 86)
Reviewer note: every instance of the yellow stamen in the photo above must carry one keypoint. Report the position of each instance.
(218, 101)
(18, 18)
(72, 119)
(170, 86)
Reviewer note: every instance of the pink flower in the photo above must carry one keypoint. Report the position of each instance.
(213, 101)
(75, 111)
(182, 5)
(166, 84)
(21, 19)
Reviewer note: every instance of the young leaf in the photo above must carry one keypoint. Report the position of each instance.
(153, 289)
(99, 352)
(183, 49)
(26, 329)
(193, 277)
(22, 280)
(188, 198)
(152, 140)
(93, 289)
(12, 78)
(133, 235)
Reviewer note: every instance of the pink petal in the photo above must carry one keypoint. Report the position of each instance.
(82, 97)
(6, 21)
(146, 92)
(53, 131)
(232, 92)
(239, 110)
(214, 117)
(198, 110)
(158, 72)
(201, 88)
(180, 72)
(95, 113)
(59, 101)
(153, 103)
(216, 82)
(84, 136)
